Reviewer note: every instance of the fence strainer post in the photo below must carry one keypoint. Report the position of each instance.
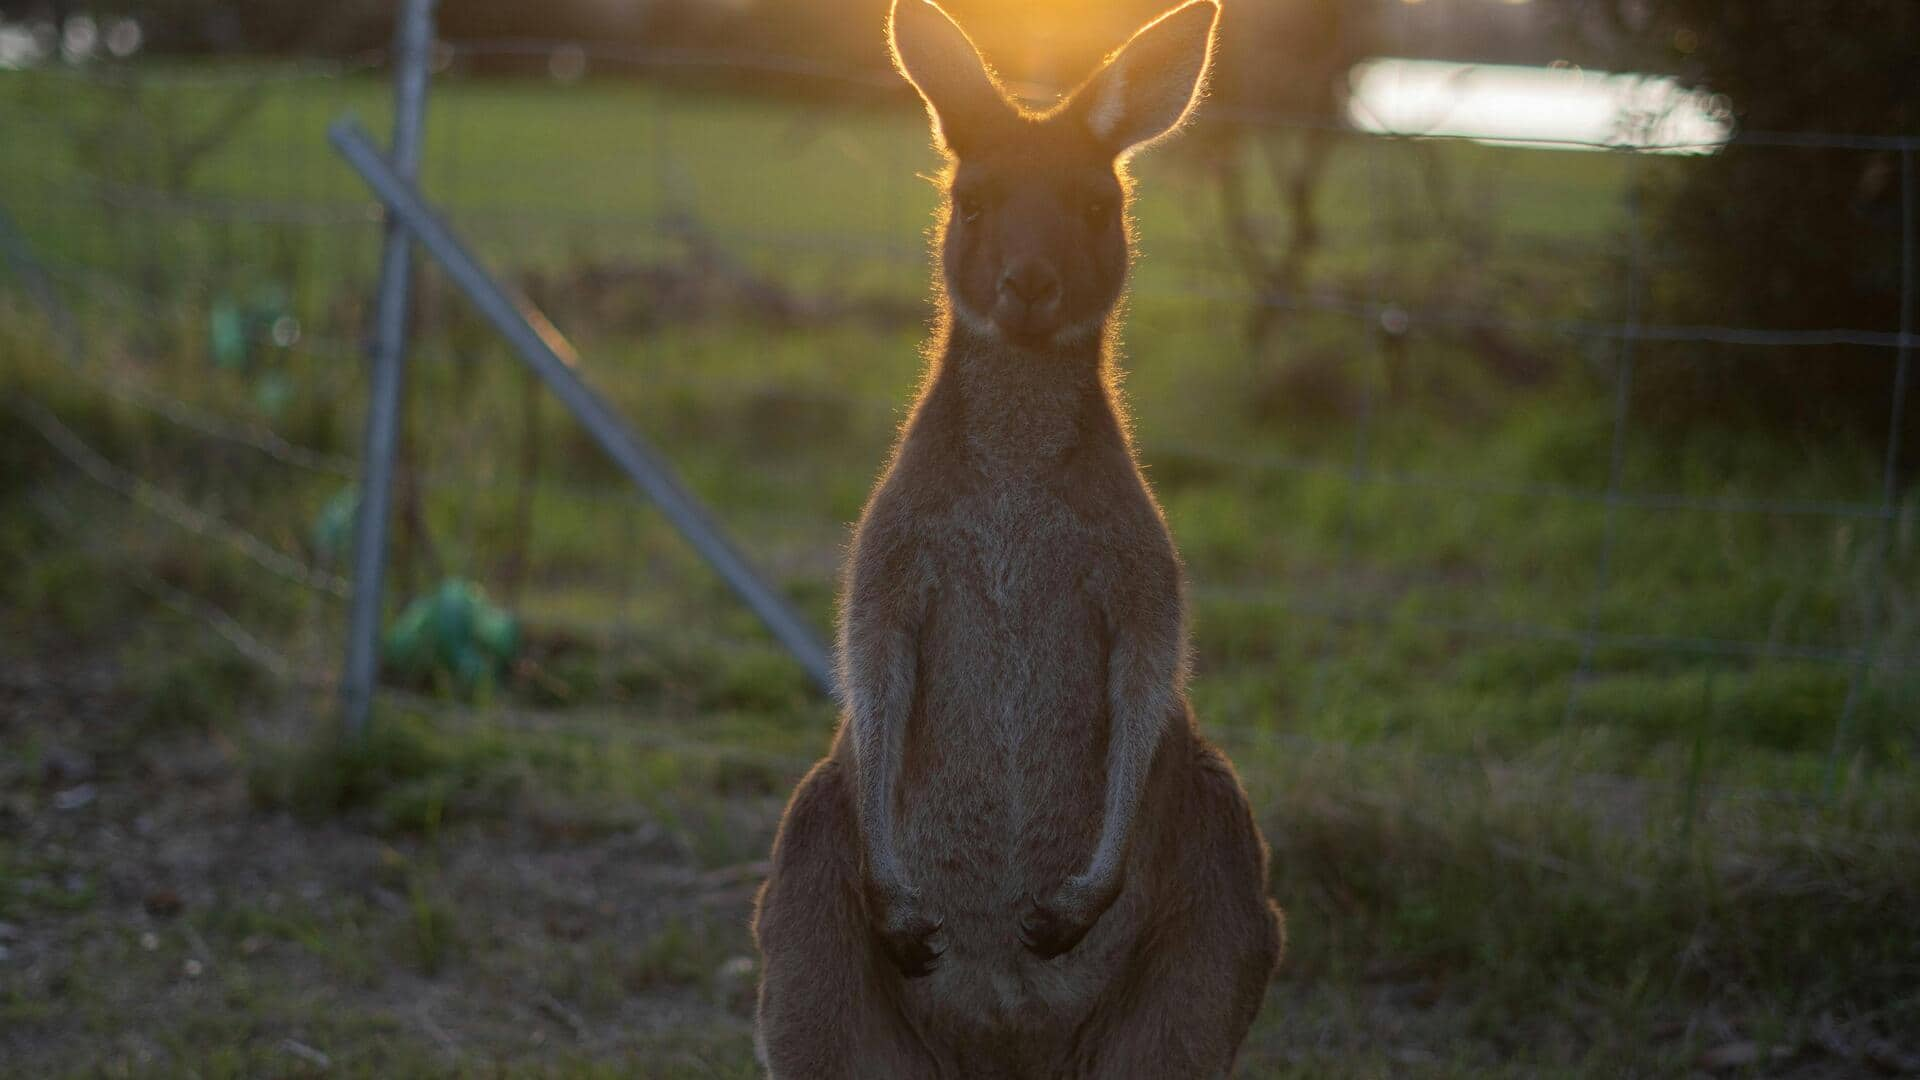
(413, 47)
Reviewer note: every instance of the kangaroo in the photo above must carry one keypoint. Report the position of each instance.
(1020, 858)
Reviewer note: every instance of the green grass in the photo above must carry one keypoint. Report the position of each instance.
(1503, 873)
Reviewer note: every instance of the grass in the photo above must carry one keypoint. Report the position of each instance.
(1488, 871)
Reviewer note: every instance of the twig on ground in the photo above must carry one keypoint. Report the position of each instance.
(558, 1010)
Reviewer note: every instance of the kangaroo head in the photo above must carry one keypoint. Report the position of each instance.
(1034, 238)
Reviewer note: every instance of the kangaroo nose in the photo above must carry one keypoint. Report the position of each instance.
(1032, 281)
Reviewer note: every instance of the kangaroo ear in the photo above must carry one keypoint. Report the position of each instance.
(1146, 88)
(935, 55)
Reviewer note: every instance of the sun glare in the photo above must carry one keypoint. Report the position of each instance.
(1048, 45)
(1562, 107)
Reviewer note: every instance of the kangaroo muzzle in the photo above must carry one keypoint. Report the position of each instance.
(1027, 302)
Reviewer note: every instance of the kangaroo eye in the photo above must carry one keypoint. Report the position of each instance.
(1099, 211)
(968, 208)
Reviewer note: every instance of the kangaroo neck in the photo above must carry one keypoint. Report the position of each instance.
(1023, 407)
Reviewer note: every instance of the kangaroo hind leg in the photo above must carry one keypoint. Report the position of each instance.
(1194, 992)
(825, 1010)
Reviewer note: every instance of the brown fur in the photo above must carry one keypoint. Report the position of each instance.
(1020, 859)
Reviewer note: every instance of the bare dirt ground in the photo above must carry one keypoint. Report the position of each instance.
(159, 917)
(156, 920)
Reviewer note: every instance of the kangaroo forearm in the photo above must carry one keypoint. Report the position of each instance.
(879, 710)
(877, 771)
(1134, 741)
(1140, 698)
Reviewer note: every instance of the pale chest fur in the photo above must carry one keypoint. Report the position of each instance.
(1015, 638)
(1026, 511)
(1019, 546)
(1007, 756)
(1013, 532)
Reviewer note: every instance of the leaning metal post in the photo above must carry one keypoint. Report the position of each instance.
(413, 46)
(544, 350)
(31, 274)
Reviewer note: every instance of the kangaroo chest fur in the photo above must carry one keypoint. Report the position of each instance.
(1006, 745)
(1008, 729)
(1012, 661)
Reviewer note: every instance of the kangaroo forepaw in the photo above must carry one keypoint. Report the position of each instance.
(910, 937)
(915, 949)
(1054, 926)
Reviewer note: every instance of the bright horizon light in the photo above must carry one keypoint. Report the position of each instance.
(1563, 108)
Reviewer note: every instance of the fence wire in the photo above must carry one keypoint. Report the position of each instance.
(98, 225)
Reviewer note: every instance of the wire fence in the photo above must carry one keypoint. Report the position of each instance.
(1370, 564)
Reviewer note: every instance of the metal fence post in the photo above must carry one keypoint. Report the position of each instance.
(413, 47)
(34, 277)
(552, 358)
(1868, 654)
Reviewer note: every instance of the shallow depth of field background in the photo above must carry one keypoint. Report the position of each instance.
(1550, 519)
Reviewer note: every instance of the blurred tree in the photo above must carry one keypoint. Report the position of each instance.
(1787, 238)
(1278, 97)
(226, 26)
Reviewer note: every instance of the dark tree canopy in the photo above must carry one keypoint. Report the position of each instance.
(1790, 238)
